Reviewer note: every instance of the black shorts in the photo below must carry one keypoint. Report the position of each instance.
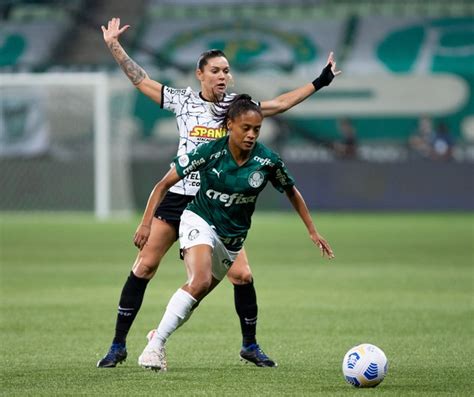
(171, 208)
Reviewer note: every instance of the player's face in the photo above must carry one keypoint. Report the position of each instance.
(214, 77)
(244, 130)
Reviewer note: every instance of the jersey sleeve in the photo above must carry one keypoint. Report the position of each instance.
(193, 161)
(173, 99)
(281, 178)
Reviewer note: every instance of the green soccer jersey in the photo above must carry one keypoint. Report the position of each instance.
(228, 192)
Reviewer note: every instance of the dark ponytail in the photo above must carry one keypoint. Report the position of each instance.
(229, 110)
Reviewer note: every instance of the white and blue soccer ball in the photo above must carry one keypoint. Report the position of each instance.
(364, 365)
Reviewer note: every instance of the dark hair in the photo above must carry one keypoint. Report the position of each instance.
(229, 110)
(206, 55)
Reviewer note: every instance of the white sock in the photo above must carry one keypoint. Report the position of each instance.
(176, 313)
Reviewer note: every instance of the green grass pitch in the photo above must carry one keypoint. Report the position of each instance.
(403, 282)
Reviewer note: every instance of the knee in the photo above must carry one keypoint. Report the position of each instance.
(146, 265)
(240, 278)
(199, 287)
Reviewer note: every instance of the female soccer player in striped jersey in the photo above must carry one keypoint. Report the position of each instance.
(196, 125)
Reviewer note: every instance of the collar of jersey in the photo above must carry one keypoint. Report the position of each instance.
(206, 100)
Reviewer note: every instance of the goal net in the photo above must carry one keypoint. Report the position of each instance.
(63, 143)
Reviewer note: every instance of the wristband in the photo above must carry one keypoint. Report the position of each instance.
(324, 78)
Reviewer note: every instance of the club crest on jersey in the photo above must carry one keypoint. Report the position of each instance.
(193, 234)
(183, 160)
(256, 179)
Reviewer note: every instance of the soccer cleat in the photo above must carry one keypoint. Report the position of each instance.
(254, 354)
(116, 355)
(153, 358)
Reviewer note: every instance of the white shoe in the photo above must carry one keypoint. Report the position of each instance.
(153, 358)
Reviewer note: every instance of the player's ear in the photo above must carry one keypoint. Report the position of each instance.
(230, 83)
(229, 125)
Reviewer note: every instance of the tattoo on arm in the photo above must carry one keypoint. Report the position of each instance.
(134, 72)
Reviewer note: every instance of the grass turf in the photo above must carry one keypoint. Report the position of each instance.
(401, 281)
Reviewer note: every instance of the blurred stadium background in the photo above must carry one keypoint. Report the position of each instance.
(76, 136)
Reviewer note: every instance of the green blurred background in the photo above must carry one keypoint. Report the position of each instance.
(394, 131)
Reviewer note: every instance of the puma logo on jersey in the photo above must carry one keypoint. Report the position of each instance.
(218, 173)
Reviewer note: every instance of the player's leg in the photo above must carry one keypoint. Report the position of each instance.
(245, 298)
(162, 237)
(198, 261)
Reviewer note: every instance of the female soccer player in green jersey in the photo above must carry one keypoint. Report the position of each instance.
(213, 228)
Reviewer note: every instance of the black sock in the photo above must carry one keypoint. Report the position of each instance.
(130, 301)
(245, 300)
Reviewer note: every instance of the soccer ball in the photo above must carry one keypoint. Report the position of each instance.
(364, 365)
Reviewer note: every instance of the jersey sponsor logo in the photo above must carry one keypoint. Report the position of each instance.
(175, 91)
(193, 179)
(230, 199)
(183, 160)
(218, 154)
(256, 179)
(264, 161)
(281, 177)
(207, 132)
(194, 164)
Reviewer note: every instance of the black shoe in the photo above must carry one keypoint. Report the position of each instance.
(253, 354)
(117, 354)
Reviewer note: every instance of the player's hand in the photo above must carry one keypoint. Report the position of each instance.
(327, 74)
(331, 61)
(113, 30)
(323, 245)
(141, 236)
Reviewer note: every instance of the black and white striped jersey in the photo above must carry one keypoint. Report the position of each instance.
(196, 124)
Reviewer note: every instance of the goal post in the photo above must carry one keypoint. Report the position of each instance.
(102, 205)
(70, 113)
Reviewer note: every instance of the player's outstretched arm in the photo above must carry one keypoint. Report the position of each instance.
(132, 70)
(299, 205)
(289, 99)
(154, 200)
